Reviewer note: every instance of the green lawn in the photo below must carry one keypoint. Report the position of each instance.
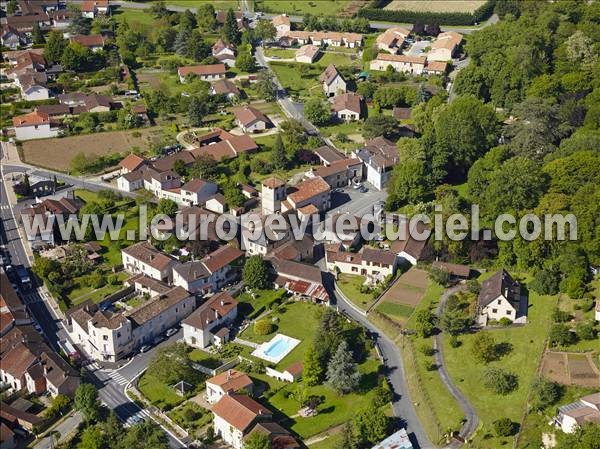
(219, 5)
(527, 347)
(205, 358)
(133, 15)
(280, 52)
(338, 59)
(81, 292)
(295, 83)
(350, 285)
(295, 319)
(301, 7)
(158, 393)
(400, 312)
(253, 307)
(191, 416)
(335, 409)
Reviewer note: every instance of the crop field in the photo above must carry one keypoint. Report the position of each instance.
(438, 6)
(399, 301)
(57, 153)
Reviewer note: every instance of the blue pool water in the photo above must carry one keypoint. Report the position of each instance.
(278, 348)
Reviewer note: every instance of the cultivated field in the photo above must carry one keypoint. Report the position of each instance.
(437, 6)
(57, 153)
(400, 300)
(571, 369)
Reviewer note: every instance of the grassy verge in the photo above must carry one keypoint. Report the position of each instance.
(158, 393)
(301, 7)
(251, 307)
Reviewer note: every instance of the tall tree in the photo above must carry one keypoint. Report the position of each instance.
(255, 273)
(231, 31)
(36, 34)
(279, 157)
(313, 371)
(205, 17)
(342, 371)
(86, 402)
(148, 432)
(370, 424)
(55, 46)
(265, 30)
(182, 41)
(196, 111)
(257, 440)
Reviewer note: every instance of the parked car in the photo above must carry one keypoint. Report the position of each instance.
(171, 332)
(363, 189)
(159, 339)
(136, 419)
(145, 348)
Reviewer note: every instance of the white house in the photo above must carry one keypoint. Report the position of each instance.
(251, 120)
(208, 325)
(444, 47)
(282, 25)
(500, 297)
(33, 86)
(210, 273)
(196, 191)
(577, 414)
(379, 156)
(413, 65)
(307, 53)
(227, 382)
(332, 81)
(211, 72)
(392, 39)
(35, 125)
(144, 258)
(348, 107)
(92, 8)
(373, 264)
(235, 415)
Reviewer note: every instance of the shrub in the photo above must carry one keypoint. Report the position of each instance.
(560, 334)
(263, 327)
(454, 341)
(427, 350)
(505, 321)
(544, 393)
(504, 427)
(500, 381)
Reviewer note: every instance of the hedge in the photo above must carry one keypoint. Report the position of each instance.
(444, 18)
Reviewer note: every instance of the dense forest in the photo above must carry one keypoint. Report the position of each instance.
(521, 136)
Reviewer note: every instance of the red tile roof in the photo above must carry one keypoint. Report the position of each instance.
(239, 411)
(132, 162)
(231, 381)
(31, 119)
(211, 69)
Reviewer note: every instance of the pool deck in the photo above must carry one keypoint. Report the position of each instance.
(261, 351)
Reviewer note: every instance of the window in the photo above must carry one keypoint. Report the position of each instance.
(509, 312)
(105, 337)
(494, 310)
(499, 301)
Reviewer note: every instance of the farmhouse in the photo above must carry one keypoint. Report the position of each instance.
(45, 210)
(300, 279)
(445, 46)
(281, 24)
(209, 72)
(374, 264)
(208, 325)
(227, 382)
(411, 241)
(332, 81)
(251, 119)
(327, 155)
(401, 63)
(307, 53)
(348, 107)
(33, 86)
(13, 38)
(35, 125)
(500, 297)
(392, 39)
(131, 163)
(93, 8)
(225, 53)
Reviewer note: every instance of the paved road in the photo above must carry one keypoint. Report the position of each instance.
(402, 405)
(298, 19)
(471, 419)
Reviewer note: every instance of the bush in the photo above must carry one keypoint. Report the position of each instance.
(504, 427)
(544, 393)
(263, 327)
(454, 341)
(500, 381)
(505, 321)
(560, 316)
(561, 335)
(427, 350)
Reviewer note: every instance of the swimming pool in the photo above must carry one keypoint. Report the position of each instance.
(276, 349)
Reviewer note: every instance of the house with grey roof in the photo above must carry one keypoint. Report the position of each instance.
(501, 297)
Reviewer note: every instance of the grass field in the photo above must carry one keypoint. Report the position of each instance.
(57, 153)
(253, 307)
(132, 16)
(524, 358)
(219, 5)
(157, 392)
(350, 285)
(301, 7)
(437, 6)
(288, 324)
(284, 53)
(297, 85)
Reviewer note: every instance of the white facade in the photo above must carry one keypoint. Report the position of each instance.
(253, 127)
(499, 308)
(230, 435)
(347, 115)
(407, 66)
(43, 131)
(337, 85)
(203, 338)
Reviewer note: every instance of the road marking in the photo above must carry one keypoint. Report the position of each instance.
(118, 378)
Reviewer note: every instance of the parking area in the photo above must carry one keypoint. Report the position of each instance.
(355, 202)
(417, 48)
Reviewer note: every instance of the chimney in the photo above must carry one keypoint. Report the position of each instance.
(216, 315)
(228, 374)
(222, 303)
(506, 292)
